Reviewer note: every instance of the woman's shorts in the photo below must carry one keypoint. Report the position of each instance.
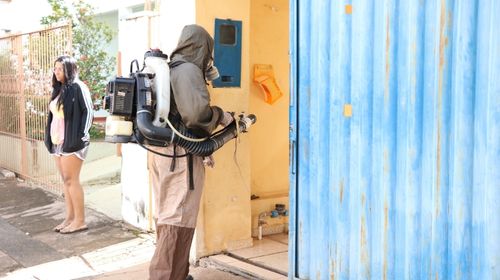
(81, 154)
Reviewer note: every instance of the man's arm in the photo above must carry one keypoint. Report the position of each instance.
(193, 100)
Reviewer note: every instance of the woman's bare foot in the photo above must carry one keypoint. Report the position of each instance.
(74, 228)
(62, 225)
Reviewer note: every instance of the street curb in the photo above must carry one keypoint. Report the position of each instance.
(111, 258)
(7, 175)
(238, 267)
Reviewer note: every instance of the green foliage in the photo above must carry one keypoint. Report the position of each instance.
(89, 37)
(97, 132)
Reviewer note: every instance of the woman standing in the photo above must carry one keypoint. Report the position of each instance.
(67, 137)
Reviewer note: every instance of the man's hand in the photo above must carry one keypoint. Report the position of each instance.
(209, 161)
(227, 118)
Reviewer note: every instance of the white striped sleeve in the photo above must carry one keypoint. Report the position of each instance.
(90, 110)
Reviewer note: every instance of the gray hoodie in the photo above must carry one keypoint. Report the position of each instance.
(190, 93)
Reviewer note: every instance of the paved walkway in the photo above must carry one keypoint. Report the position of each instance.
(110, 249)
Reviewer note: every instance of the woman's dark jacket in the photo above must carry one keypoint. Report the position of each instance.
(78, 114)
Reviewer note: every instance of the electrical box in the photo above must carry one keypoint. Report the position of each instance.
(227, 53)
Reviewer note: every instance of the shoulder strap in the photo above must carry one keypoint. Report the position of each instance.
(175, 63)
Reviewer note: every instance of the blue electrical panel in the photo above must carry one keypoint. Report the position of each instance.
(227, 53)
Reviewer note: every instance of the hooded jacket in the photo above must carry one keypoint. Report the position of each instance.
(78, 116)
(189, 90)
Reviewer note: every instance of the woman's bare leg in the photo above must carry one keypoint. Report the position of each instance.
(67, 199)
(71, 167)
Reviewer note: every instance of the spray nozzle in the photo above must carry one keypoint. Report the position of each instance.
(245, 121)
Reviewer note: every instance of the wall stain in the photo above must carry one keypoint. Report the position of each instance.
(332, 269)
(387, 58)
(387, 168)
(386, 231)
(365, 256)
(341, 187)
(443, 42)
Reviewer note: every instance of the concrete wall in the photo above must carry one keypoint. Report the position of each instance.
(12, 12)
(261, 165)
(174, 15)
(225, 219)
(269, 138)
(110, 19)
(164, 30)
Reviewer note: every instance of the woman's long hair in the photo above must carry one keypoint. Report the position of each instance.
(70, 74)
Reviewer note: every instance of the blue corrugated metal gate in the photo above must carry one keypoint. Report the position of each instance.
(395, 132)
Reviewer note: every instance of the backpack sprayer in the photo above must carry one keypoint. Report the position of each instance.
(139, 111)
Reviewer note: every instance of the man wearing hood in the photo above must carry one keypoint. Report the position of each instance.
(178, 181)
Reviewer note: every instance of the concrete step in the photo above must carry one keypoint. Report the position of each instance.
(7, 175)
(106, 199)
(101, 171)
(238, 267)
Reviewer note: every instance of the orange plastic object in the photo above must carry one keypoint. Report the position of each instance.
(348, 9)
(264, 77)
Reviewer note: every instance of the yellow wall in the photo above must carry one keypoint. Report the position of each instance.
(225, 217)
(269, 138)
(261, 165)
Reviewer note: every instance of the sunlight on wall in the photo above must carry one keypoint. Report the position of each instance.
(269, 139)
(29, 21)
(261, 165)
(225, 218)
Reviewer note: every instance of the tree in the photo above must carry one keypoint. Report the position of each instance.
(89, 37)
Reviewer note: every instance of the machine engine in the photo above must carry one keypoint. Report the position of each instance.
(139, 111)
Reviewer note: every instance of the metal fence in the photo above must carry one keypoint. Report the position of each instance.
(26, 62)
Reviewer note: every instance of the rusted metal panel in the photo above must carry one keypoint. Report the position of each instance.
(395, 139)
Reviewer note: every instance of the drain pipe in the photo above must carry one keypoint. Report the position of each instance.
(262, 222)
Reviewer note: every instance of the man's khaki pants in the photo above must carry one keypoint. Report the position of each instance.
(176, 210)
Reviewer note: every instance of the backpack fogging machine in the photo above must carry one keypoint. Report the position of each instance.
(139, 108)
